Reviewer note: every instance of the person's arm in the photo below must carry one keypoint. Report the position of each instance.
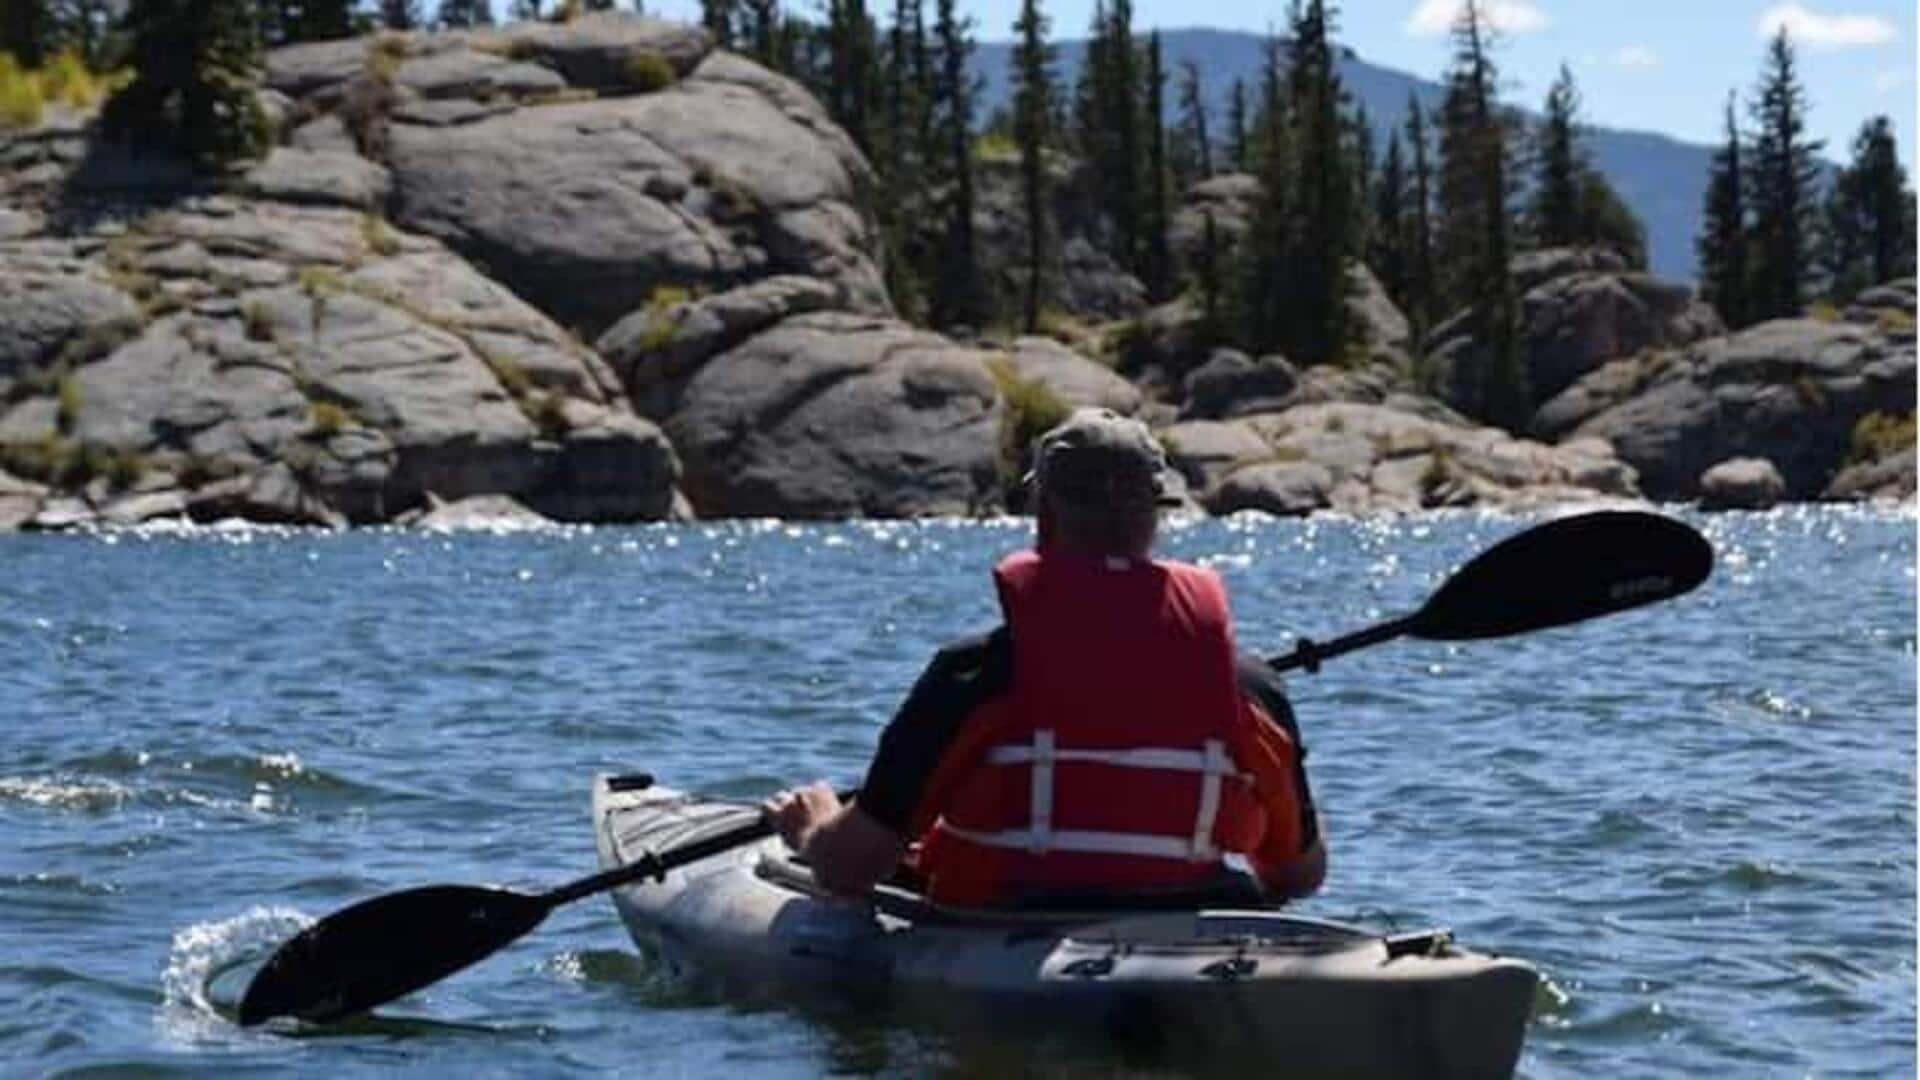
(1288, 866)
(853, 848)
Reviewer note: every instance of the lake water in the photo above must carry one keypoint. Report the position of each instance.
(1697, 819)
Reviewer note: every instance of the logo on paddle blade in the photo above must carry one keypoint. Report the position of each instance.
(1639, 588)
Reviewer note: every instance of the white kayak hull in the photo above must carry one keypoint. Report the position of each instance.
(1251, 986)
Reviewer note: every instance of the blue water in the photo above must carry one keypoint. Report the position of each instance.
(1697, 819)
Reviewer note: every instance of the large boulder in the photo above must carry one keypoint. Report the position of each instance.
(1075, 380)
(1791, 391)
(835, 415)
(1741, 484)
(1232, 384)
(1578, 311)
(588, 208)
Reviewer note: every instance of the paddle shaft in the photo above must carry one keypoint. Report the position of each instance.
(1308, 653)
(655, 865)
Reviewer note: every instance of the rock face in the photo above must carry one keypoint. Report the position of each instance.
(1579, 308)
(1360, 458)
(302, 364)
(1791, 391)
(1080, 277)
(1741, 484)
(1077, 381)
(836, 415)
(587, 209)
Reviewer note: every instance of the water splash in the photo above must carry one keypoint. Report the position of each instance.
(201, 985)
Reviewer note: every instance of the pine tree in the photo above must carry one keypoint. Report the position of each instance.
(717, 18)
(850, 78)
(1157, 256)
(457, 14)
(1237, 156)
(1782, 181)
(1554, 218)
(1362, 166)
(316, 20)
(400, 14)
(1323, 202)
(192, 89)
(1387, 253)
(1264, 286)
(1033, 60)
(955, 299)
(1869, 227)
(1197, 146)
(1722, 244)
(525, 10)
(27, 31)
(1473, 241)
(1422, 281)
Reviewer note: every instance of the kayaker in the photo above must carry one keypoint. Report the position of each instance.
(1107, 738)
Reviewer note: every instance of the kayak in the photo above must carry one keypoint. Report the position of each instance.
(1247, 984)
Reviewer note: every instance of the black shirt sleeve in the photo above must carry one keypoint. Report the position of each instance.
(961, 677)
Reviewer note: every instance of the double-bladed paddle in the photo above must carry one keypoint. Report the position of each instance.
(1553, 574)
(380, 949)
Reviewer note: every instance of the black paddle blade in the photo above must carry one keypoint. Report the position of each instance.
(1565, 571)
(384, 948)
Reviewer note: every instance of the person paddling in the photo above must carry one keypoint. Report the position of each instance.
(1108, 737)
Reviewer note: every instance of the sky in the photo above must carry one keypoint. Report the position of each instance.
(1649, 65)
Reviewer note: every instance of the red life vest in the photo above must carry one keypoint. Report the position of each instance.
(1107, 763)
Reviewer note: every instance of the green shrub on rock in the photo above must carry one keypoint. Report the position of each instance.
(1880, 435)
(1032, 408)
(646, 71)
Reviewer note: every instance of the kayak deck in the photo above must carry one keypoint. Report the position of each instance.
(1242, 984)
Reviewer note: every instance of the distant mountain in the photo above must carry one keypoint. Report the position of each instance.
(1662, 178)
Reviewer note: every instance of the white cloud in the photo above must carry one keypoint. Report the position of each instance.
(1807, 27)
(1636, 56)
(1507, 16)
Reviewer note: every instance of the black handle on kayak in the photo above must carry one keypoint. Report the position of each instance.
(1553, 574)
(387, 947)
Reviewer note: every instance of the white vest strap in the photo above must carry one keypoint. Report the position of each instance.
(1210, 761)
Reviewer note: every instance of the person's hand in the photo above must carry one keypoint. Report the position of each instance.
(796, 813)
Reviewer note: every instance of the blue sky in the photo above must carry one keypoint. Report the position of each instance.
(1654, 65)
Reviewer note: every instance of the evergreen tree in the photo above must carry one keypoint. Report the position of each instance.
(1781, 180)
(850, 81)
(1723, 241)
(525, 10)
(316, 20)
(1323, 201)
(1264, 288)
(27, 31)
(400, 14)
(1196, 145)
(1157, 255)
(1554, 218)
(192, 90)
(1387, 253)
(1418, 303)
(1473, 241)
(1237, 157)
(1605, 220)
(955, 296)
(465, 13)
(717, 18)
(1362, 166)
(1033, 59)
(1870, 227)
(759, 33)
